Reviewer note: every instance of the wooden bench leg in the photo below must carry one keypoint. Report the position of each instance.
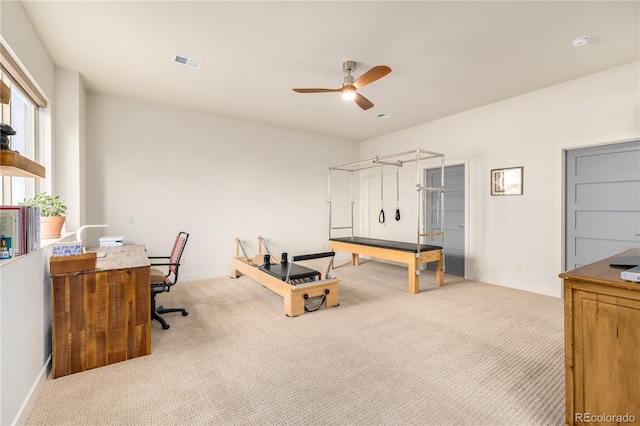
(332, 298)
(355, 259)
(439, 273)
(293, 305)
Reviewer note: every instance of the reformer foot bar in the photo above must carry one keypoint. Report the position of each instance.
(295, 283)
(394, 251)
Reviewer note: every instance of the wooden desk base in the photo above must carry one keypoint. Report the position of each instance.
(408, 258)
(602, 338)
(293, 295)
(103, 316)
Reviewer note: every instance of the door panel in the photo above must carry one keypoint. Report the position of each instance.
(602, 202)
(454, 216)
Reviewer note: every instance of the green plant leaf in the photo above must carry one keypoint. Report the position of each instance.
(49, 205)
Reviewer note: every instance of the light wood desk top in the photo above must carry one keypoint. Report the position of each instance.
(123, 257)
(601, 273)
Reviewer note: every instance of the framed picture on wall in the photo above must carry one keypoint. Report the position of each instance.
(507, 181)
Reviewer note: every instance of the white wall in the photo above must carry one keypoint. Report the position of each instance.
(531, 131)
(19, 33)
(26, 333)
(177, 170)
(69, 147)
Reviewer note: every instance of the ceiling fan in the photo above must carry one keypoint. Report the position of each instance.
(349, 86)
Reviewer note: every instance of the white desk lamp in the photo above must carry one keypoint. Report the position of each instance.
(82, 228)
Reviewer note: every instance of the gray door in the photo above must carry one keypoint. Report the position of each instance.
(602, 202)
(453, 215)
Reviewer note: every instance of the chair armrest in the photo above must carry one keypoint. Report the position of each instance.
(164, 264)
(161, 263)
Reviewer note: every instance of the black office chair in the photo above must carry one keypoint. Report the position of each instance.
(161, 282)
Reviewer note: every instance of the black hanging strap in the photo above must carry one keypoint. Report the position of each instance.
(381, 218)
(397, 193)
(324, 299)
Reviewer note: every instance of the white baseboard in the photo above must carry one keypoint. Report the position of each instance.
(30, 401)
(206, 275)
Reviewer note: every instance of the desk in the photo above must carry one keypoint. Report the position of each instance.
(602, 340)
(103, 316)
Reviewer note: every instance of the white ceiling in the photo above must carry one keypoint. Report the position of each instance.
(446, 57)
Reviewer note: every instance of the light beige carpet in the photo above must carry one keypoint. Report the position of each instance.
(464, 354)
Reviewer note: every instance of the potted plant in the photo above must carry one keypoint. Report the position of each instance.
(52, 210)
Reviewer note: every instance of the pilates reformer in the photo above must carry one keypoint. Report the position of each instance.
(412, 254)
(296, 283)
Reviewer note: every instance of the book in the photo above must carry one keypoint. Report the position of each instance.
(21, 224)
(33, 228)
(5, 247)
(10, 227)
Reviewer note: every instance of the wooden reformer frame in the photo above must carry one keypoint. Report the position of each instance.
(412, 258)
(294, 295)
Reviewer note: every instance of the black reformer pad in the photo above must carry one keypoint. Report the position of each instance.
(279, 270)
(385, 244)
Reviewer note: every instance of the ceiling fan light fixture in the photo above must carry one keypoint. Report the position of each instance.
(349, 95)
(351, 85)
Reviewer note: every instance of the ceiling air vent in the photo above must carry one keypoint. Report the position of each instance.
(193, 63)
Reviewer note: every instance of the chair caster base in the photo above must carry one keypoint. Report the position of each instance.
(156, 315)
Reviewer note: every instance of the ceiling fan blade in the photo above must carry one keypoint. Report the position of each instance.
(363, 102)
(372, 75)
(316, 90)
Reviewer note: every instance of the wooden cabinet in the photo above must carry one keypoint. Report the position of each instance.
(103, 316)
(602, 345)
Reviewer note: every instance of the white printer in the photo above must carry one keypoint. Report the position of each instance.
(632, 262)
(113, 241)
(632, 274)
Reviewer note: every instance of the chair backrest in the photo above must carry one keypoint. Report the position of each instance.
(176, 253)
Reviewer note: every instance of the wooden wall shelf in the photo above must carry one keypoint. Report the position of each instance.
(14, 164)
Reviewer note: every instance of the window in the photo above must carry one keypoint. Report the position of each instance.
(21, 115)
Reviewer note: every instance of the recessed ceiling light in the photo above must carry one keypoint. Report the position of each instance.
(580, 41)
(383, 115)
(183, 60)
